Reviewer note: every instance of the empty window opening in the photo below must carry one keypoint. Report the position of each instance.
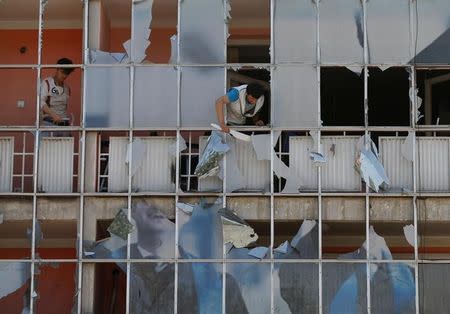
(260, 77)
(434, 90)
(249, 32)
(341, 97)
(388, 93)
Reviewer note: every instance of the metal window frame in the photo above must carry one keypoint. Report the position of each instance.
(82, 130)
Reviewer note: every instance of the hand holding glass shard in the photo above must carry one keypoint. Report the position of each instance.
(209, 163)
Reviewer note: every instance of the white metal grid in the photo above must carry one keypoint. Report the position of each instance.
(417, 176)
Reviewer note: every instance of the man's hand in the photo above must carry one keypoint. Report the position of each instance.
(225, 128)
(56, 118)
(259, 123)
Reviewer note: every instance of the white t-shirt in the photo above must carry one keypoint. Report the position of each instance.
(56, 97)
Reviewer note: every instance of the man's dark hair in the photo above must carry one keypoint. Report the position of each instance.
(255, 90)
(65, 61)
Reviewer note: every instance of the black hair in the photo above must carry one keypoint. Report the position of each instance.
(66, 61)
(255, 90)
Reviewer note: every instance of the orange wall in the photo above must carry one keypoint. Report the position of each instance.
(20, 84)
(55, 286)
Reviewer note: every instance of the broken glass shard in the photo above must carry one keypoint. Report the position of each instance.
(209, 162)
(121, 226)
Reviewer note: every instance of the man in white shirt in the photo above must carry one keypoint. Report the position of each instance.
(55, 97)
(241, 102)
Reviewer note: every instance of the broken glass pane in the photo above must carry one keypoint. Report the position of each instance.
(152, 288)
(107, 97)
(200, 87)
(62, 28)
(142, 17)
(298, 286)
(163, 37)
(388, 31)
(392, 288)
(16, 222)
(155, 233)
(340, 85)
(296, 92)
(109, 31)
(200, 288)
(14, 290)
(395, 236)
(55, 281)
(433, 287)
(295, 31)
(389, 89)
(97, 241)
(104, 288)
(155, 97)
(202, 40)
(344, 288)
(56, 228)
(248, 288)
(200, 236)
(433, 32)
(352, 234)
(341, 31)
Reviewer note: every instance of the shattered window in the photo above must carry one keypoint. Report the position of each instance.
(248, 25)
(342, 95)
(344, 288)
(389, 88)
(202, 40)
(392, 288)
(295, 90)
(110, 32)
(55, 281)
(388, 31)
(16, 225)
(295, 31)
(294, 280)
(253, 281)
(119, 191)
(152, 287)
(352, 243)
(153, 233)
(62, 26)
(54, 230)
(341, 31)
(200, 287)
(15, 292)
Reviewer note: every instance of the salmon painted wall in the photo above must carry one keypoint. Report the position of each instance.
(55, 286)
(20, 84)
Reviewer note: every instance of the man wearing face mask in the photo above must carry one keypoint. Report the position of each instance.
(241, 102)
(55, 95)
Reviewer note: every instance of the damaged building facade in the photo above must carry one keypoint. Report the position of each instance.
(340, 203)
